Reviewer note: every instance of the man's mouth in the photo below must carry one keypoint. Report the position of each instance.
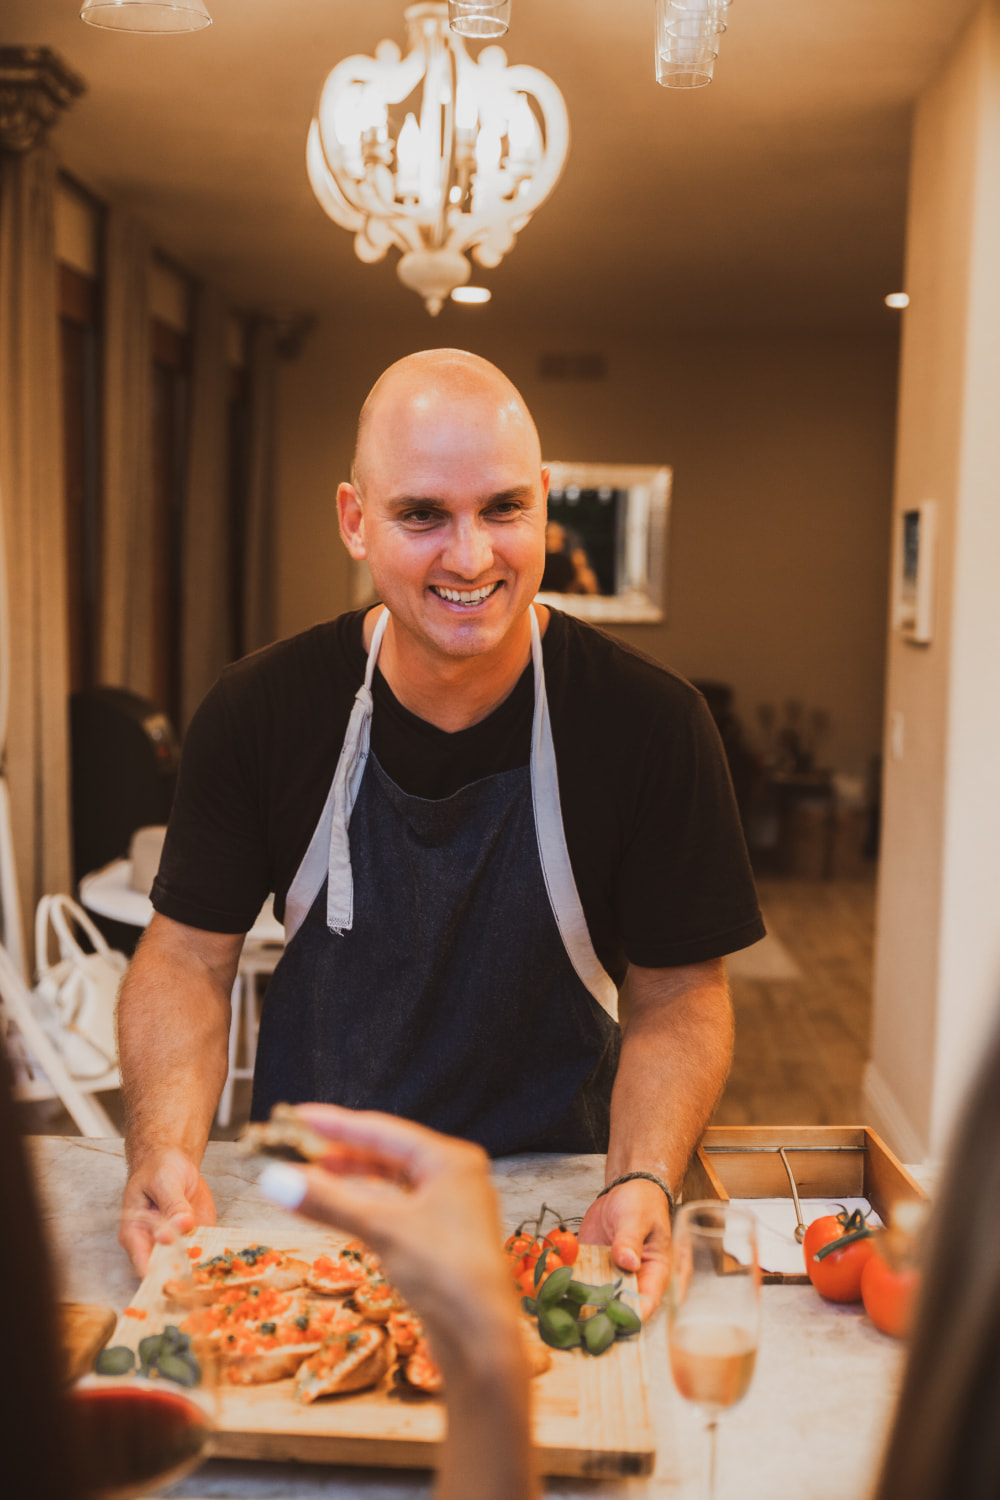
(465, 596)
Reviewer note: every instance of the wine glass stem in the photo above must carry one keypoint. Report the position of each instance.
(710, 1427)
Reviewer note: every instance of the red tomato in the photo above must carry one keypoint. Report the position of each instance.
(565, 1243)
(838, 1275)
(889, 1295)
(526, 1282)
(518, 1244)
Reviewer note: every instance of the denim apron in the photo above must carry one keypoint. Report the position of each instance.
(438, 964)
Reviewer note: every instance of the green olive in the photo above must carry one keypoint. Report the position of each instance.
(117, 1361)
(598, 1333)
(181, 1368)
(624, 1318)
(149, 1350)
(590, 1296)
(554, 1286)
(558, 1327)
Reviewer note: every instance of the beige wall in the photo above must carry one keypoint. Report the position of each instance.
(781, 446)
(939, 937)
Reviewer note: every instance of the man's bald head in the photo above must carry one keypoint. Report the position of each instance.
(424, 387)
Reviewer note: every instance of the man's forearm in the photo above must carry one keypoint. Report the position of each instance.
(675, 1059)
(173, 1029)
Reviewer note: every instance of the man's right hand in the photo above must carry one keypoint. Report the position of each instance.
(165, 1196)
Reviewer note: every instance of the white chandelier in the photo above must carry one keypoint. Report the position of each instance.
(475, 156)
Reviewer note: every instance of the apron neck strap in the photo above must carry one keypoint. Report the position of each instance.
(375, 647)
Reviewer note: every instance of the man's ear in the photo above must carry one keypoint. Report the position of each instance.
(352, 521)
(546, 479)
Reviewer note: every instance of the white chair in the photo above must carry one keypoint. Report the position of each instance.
(257, 958)
(39, 1071)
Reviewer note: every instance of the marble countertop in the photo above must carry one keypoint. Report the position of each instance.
(811, 1427)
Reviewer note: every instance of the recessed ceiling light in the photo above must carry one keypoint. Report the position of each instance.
(471, 294)
(897, 299)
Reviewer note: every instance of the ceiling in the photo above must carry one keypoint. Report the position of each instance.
(774, 196)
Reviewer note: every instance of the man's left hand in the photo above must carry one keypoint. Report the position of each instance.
(634, 1219)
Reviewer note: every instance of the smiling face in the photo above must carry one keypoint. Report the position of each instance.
(448, 505)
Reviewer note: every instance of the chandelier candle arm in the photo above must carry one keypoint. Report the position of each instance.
(459, 170)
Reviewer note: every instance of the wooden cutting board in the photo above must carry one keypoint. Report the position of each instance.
(591, 1415)
(84, 1328)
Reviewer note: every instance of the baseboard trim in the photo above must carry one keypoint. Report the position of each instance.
(887, 1117)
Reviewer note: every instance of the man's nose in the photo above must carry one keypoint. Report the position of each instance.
(470, 549)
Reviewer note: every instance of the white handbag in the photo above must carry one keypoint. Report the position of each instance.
(75, 997)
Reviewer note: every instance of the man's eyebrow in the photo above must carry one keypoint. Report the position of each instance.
(429, 502)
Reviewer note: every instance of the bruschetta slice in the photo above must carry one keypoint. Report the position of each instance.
(255, 1265)
(405, 1329)
(287, 1136)
(349, 1360)
(258, 1354)
(420, 1371)
(342, 1272)
(237, 1309)
(376, 1300)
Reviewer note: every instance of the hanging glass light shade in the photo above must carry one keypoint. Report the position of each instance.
(147, 15)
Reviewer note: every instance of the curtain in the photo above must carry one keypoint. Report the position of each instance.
(33, 516)
(260, 560)
(206, 610)
(126, 653)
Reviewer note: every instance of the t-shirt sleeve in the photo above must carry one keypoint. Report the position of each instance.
(214, 872)
(685, 889)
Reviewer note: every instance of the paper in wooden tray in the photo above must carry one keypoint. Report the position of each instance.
(831, 1162)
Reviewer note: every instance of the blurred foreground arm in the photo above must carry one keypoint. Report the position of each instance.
(439, 1241)
(173, 1036)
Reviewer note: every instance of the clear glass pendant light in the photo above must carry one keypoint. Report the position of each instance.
(479, 18)
(147, 15)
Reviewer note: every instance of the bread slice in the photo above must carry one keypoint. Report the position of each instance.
(348, 1361)
(255, 1265)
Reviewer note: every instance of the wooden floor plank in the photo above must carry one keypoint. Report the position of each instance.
(802, 1044)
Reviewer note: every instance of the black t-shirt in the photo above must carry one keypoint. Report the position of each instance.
(651, 825)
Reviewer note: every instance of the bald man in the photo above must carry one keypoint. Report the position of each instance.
(477, 816)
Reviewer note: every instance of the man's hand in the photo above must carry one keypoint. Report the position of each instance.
(165, 1196)
(634, 1219)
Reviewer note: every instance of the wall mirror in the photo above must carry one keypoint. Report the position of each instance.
(606, 541)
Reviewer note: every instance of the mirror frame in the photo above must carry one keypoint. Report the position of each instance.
(640, 596)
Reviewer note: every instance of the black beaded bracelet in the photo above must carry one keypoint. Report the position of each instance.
(650, 1177)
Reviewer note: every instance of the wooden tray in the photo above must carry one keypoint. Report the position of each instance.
(828, 1161)
(591, 1416)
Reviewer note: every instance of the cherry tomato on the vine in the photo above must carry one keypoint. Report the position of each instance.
(565, 1244)
(838, 1275)
(518, 1244)
(525, 1280)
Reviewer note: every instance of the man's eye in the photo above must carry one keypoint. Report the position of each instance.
(505, 508)
(419, 517)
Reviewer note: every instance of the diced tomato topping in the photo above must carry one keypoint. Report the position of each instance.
(136, 1312)
(195, 1253)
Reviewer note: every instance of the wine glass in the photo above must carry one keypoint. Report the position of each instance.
(713, 1310)
(132, 1437)
(145, 1418)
